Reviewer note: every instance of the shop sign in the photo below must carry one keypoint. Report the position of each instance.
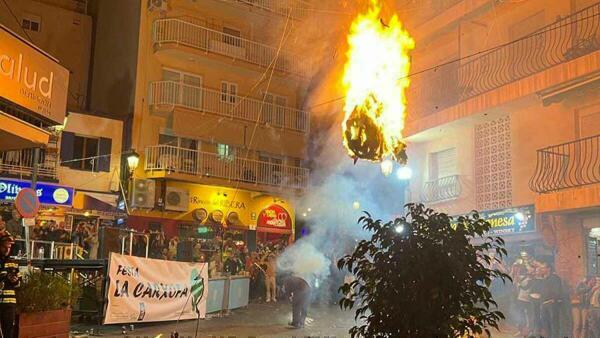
(48, 194)
(510, 221)
(32, 79)
(275, 216)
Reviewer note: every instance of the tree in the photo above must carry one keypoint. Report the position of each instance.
(424, 275)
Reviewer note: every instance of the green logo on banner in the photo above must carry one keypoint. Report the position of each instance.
(197, 283)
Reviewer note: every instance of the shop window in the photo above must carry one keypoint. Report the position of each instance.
(31, 22)
(85, 153)
(229, 92)
(232, 36)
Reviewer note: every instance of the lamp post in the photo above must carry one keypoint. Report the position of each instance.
(133, 160)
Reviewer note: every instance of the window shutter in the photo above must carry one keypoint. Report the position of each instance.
(66, 148)
(104, 149)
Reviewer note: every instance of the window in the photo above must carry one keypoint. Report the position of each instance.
(231, 36)
(85, 153)
(225, 152)
(442, 164)
(274, 111)
(271, 168)
(188, 92)
(31, 22)
(228, 92)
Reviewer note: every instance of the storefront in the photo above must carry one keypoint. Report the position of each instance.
(240, 216)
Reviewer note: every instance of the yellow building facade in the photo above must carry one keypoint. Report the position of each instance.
(505, 119)
(218, 119)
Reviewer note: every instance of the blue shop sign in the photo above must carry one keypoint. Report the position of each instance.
(509, 221)
(50, 194)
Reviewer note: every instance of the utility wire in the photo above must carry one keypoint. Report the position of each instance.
(485, 51)
(17, 20)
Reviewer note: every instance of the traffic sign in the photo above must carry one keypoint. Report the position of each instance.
(27, 203)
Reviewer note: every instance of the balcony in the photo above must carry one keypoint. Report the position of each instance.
(168, 94)
(565, 40)
(442, 189)
(171, 159)
(19, 164)
(296, 8)
(180, 32)
(567, 165)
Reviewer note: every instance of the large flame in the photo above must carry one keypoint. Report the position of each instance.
(375, 80)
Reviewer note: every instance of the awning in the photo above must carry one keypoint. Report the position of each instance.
(17, 134)
(96, 201)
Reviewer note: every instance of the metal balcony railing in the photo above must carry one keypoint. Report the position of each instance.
(168, 93)
(566, 39)
(206, 164)
(19, 163)
(562, 41)
(567, 165)
(186, 33)
(295, 8)
(442, 189)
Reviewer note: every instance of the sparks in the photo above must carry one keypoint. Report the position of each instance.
(375, 80)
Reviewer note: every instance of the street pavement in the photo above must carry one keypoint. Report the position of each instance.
(257, 320)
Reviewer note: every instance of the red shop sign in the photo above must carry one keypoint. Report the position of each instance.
(275, 216)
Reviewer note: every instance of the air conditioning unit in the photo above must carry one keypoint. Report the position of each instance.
(177, 199)
(142, 193)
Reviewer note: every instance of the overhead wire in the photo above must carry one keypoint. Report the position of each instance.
(470, 56)
(17, 20)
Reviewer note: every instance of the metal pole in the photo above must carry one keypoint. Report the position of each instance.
(36, 159)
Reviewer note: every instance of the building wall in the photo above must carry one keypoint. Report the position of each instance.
(114, 59)
(252, 81)
(94, 126)
(65, 34)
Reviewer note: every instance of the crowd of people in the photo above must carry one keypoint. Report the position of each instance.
(541, 297)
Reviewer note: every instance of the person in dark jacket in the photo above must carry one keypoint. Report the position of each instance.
(551, 297)
(298, 290)
(10, 280)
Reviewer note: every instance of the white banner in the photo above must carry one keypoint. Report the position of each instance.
(151, 290)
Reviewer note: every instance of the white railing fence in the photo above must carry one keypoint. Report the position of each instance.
(193, 162)
(182, 32)
(168, 93)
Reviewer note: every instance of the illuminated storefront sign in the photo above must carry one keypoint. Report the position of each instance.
(510, 221)
(49, 194)
(32, 79)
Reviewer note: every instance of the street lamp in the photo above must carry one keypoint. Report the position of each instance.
(133, 160)
(404, 173)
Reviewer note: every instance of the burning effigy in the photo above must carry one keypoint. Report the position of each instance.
(375, 81)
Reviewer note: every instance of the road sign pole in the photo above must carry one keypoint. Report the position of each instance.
(36, 159)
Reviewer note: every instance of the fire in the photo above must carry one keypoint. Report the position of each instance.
(375, 80)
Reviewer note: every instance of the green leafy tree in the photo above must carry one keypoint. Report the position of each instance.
(424, 275)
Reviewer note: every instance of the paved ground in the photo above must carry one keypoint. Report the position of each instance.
(258, 320)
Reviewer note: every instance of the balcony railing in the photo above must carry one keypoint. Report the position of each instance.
(296, 8)
(442, 189)
(206, 164)
(566, 39)
(19, 163)
(562, 41)
(168, 93)
(567, 165)
(182, 32)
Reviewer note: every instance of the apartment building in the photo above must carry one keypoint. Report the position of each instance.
(217, 118)
(505, 119)
(49, 43)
